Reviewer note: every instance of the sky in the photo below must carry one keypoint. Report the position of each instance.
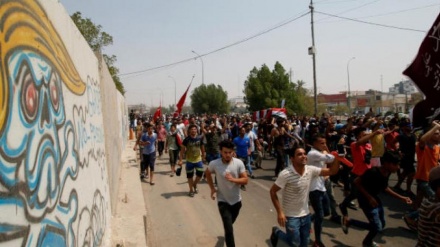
(149, 34)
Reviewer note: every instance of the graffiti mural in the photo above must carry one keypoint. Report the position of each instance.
(53, 179)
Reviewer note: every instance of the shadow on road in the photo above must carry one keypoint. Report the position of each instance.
(174, 194)
(220, 241)
(400, 231)
(339, 243)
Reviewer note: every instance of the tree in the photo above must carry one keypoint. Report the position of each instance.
(305, 99)
(97, 40)
(341, 110)
(209, 99)
(266, 89)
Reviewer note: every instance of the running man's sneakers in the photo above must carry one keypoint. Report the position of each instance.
(344, 224)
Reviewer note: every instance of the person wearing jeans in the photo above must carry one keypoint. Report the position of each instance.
(297, 231)
(369, 185)
(319, 157)
(293, 211)
(243, 150)
(230, 174)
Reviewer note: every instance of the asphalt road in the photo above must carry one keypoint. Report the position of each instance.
(175, 219)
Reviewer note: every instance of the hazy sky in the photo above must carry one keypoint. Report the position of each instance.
(149, 34)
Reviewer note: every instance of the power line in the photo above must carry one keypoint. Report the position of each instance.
(348, 10)
(393, 12)
(339, 1)
(371, 23)
(283, 23)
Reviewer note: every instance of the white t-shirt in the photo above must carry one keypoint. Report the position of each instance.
(320, 160)
(252, 136)
(180, 129)
(227, 191)
(295, 190)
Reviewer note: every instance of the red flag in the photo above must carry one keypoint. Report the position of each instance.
(157, 113)
(425, 73)
(180, 103)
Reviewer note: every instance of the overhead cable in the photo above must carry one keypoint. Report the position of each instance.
(371, 23)
(134, 73)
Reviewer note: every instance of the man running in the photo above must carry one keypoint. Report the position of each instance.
(194, 150)
(230, 174)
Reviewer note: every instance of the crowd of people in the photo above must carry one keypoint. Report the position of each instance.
(312, 153)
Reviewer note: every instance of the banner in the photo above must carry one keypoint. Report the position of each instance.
(425, 73)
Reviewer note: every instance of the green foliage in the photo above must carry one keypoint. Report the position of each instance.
(341, 109)
(209, 99)
(266, 89)
(114, 71)
(97, 40)
(95, 37)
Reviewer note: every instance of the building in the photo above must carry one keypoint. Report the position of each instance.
(403, 87)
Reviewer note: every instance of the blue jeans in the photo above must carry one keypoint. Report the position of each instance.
(424, 190)
(376, 222)
(297, 231)
(321, 206)
(247, 163)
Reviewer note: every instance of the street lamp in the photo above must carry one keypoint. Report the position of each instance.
(348, 77)
(203, 69)
(175, 102)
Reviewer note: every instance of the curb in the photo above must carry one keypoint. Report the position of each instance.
(128, 222)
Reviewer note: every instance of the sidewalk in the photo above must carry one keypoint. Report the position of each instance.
(129, 222)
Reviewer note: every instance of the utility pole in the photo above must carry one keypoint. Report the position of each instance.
(312, 52)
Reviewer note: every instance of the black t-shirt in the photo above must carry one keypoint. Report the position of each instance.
(373, 182)
(407, 145)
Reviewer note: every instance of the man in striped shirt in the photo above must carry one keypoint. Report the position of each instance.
(294, 215)
(429, 213)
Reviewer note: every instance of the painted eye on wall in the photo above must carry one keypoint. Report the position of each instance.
(29, 96)
(54, 91)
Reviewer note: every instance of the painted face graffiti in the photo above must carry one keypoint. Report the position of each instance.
(39, 154)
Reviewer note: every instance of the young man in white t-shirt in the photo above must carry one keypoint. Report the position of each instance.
(231, 174)
(294, 213)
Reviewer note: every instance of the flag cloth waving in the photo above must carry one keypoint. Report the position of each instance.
(181, 103)
(157, 113)
(425, 72)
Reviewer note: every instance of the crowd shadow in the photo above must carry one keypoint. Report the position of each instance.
(174, 194)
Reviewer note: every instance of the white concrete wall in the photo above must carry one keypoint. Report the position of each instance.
(62, 128)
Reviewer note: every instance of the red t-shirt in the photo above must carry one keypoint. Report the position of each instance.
(389, 139)
(358, 153)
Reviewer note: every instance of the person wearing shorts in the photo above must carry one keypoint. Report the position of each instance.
(194, 150)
